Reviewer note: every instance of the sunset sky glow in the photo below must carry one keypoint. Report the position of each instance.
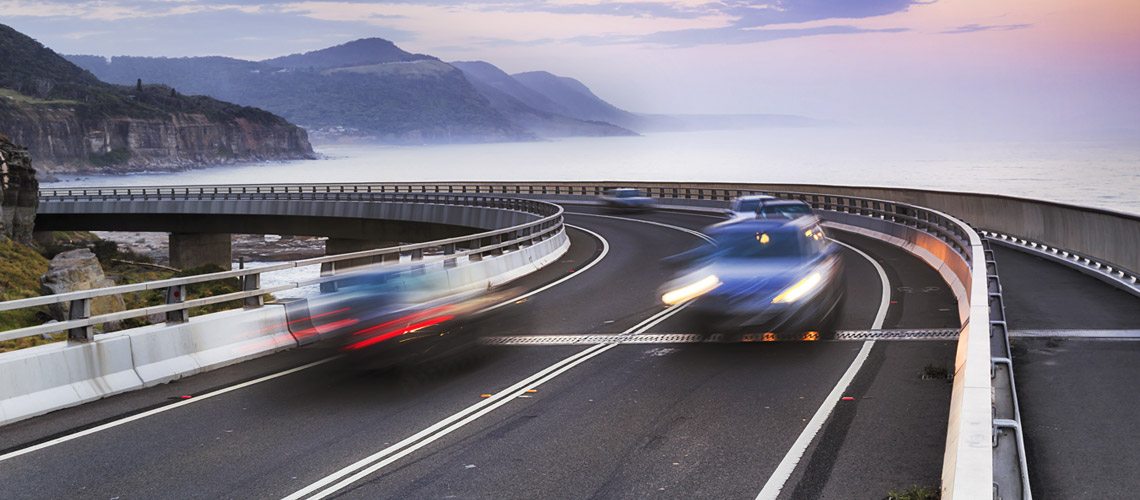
(1046, 67)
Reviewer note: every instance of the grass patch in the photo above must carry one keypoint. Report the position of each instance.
(933, 371)
(20, 271)
(916, 493)
(13, 96)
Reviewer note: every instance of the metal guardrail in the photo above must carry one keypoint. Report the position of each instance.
(1121, 278)
(80, 324)
(1011, 471)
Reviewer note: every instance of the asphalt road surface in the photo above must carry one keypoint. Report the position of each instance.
(805, 419)
(1076, 355)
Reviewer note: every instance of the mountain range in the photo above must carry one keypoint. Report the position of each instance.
(365, 88)
(72, 121)
(372, 89)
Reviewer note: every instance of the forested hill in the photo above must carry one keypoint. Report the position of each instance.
(367, 88)
(72, 121)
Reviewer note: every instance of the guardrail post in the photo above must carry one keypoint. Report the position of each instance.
(80, 309)
(328, 269)
(252, 282)
(176, 295)
(418, 254)
(449, 249)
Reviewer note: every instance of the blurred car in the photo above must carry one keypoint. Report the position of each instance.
(626, 199)
(767, 207)
(385, 317)
(767, 275)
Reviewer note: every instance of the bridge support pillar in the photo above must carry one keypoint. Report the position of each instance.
(336, 246)
(189, 250)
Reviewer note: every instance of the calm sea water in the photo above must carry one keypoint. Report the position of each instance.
(1098, 174)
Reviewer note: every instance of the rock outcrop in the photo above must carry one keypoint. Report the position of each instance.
(19, 193)
(76, 270)
(65, 142)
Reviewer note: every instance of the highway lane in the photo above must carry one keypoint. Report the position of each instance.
(613, 426)
(1077, 394)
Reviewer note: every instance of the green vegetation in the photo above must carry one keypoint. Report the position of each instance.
(933, 371)
(21, 268)
(916, 493)
(20, 271)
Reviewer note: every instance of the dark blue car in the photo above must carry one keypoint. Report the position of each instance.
(774, 275)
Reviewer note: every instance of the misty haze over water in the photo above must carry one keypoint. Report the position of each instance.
(1102, 174)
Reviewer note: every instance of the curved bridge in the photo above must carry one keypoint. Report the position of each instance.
(605, 394)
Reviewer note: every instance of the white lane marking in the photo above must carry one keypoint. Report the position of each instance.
(132, 418)
(788, 465)
(885, 302)
(605, 250)
(156, 411)
(362, 469)
(662, 224)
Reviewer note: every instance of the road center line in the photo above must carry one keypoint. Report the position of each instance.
(149, 413)
(784, 470)
(369, 465)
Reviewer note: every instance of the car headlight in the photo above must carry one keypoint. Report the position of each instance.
(691, 291)
(800, 289)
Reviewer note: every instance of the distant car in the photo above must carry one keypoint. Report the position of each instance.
(746, 206)
(767, 207)
(626, 199)
(775, 275)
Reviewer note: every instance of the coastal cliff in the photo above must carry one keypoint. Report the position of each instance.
(71, 121)
(63, 141)
(19, 193)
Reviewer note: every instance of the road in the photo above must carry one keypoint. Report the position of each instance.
(1076, 354)
(788, 420)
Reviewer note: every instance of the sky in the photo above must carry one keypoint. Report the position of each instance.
(1035, 68)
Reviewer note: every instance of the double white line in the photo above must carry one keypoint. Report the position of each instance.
(343, 478)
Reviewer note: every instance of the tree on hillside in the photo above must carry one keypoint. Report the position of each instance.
(138, 85)
(43, 87)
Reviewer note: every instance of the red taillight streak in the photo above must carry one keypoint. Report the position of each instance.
(274, 327)
(407, 318)
(324, 328)
(399, 331)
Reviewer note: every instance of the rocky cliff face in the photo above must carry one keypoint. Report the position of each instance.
(76, 270)
(19, 193)
(62, 141)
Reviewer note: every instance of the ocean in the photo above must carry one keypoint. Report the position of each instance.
(1101, 174)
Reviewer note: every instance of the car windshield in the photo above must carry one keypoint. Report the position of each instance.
(784, 211)
(747, 205)
(761, 245)
(626, 193)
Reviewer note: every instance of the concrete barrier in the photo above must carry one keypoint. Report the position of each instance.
(167, 352)
(40, 379)
(967, 469)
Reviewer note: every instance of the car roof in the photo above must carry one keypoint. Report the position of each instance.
(752, 197)
(762, 225)
(778, 201)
